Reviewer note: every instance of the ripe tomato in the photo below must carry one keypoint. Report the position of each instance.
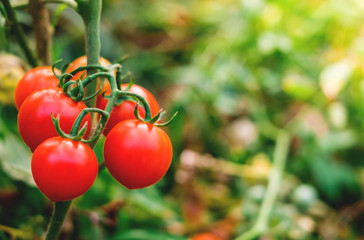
(33, 80)
(126, 109)
(81, 62)
(34, 117)
(205, 236)
(63, 169)
(137, 154)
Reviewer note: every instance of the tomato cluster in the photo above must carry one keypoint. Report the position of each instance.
(137, 153)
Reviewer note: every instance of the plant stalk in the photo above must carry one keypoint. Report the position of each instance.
(92, 18)
(59, 214)
(275, 177)
(43, 30)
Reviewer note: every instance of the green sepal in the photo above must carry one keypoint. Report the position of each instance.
(136, 112)
(154, 119)
(58, 127)
(54, 71)
(168, 122)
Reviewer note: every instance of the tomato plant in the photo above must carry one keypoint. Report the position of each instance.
(34, 117)
(125, 110)
(63, 169)
(55, 122)
(33, 80)
(137, 154)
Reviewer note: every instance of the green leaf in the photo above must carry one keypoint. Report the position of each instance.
(57, 14)
(143, 234)
(152, 202)
(334, 178)
(15, 159)
(342, 140)
(298, 86)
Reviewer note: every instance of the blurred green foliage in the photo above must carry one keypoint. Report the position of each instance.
(235, 71)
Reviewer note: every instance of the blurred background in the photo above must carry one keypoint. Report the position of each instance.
(236, 71)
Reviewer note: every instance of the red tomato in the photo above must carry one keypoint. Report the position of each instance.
(125, 110)
(63, 169)
(81, 62)
(33, 80)
(34, 117)
(137, 154)
(205, 236)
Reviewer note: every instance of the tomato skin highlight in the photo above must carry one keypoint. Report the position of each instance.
(137, 154)
(33, 80)
(125, 110)
(34, 117)
(63, 169)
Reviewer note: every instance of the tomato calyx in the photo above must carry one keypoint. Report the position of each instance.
(126, 95)
(77, 132)
(153, 120)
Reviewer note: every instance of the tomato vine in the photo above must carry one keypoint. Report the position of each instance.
(62, 115)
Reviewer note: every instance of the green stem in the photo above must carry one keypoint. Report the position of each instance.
(91, 14)
(77, 92)
(148, 114)
(92, 17)
(279, 161)
(59, 214)
(101, 125)
(76, 133)
(20, 35)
